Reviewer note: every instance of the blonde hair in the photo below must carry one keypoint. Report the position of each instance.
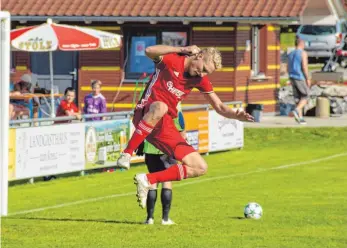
(213, 55)
(95, 82)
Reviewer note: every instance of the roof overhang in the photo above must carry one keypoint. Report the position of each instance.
(121, 19)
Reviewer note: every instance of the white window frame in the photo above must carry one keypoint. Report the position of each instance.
(255, 50)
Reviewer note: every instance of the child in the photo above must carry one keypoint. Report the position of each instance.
(67, 107)
(95, 103)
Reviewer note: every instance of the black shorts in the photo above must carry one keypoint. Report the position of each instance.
(158, 162)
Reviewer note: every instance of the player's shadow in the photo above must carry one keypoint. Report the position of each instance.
(80, 220)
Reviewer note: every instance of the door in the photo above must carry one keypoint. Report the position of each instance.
(64, 69)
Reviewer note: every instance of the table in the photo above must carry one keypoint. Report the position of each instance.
(29, 98)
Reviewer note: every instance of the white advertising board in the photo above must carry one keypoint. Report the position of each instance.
(49, 150)
(224, 133)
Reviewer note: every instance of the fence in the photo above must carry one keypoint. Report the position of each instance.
(113, 115)
(49, 150)
(37, 151)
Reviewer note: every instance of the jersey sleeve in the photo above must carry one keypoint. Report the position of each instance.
(205, 86)
(148, 148)
(169, 60)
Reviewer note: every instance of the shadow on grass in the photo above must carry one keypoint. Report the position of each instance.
(78, 220)
(239, 218)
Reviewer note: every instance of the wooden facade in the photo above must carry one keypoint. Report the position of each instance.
(232, 83)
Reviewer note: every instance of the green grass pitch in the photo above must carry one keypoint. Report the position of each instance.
(297, 175)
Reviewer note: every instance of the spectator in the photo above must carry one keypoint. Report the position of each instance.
(18, 108)
(24, 86)
(67, 107)
(11, 111)
(299, 78)
(12, 75)
(95, 103)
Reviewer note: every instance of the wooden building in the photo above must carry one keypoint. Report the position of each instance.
(247, 32)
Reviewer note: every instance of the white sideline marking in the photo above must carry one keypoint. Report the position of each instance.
(182, 184)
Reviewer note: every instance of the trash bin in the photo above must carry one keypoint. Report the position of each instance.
(255, 110)
(286, 108)
(323, 107)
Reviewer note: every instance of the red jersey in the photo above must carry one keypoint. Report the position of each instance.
(64, 106)
(169, 85)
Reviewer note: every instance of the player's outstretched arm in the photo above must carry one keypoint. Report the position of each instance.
(225, 111)
(156, 52)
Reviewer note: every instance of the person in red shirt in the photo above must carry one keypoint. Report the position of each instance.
(178, 71)
(67, 107)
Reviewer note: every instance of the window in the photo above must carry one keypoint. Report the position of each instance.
(174, 38)
(259, 50)
(255, 50)
(136, 41)
(318, 30)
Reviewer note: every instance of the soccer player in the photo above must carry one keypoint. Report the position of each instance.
(157, 161)
(178, 71)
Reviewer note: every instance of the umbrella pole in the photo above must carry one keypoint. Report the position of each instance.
(52, 84)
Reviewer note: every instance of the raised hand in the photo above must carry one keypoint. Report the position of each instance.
(190, 50)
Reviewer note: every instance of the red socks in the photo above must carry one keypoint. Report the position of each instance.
(174, 173)
(142, 131)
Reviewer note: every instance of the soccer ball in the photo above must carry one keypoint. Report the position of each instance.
(253, 211)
